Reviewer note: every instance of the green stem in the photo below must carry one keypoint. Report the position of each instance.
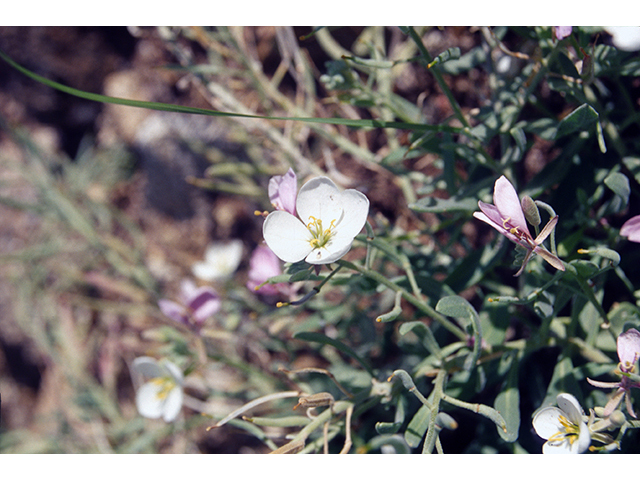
(432, 431)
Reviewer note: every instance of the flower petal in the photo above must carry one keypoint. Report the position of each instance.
(221, 260)
(147, 367)
(631, 229)
(204, 303)
(283, 191)
(287, 236)
(628, 345)
(546, 231)
(584, 440)
(148, 400)
(557, 448)
(571, 407)
(613, 402)
(599, 384)
(173, 310)
(505, 198)
(356, 209)
(327, 254)
(547, 422)
(487, 215)
(172, 370)
(187, 290)
(172, 405)
(263, 265)
(549, 257)
(319, 198)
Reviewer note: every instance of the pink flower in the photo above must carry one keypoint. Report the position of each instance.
(562, 32)
(507, 217)
(283, 190)
(631, 229)
(263, 265)
(628, 352)
(196, 304)
(628, 349)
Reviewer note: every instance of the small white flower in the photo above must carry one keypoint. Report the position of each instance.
(161, 394)
(220, 261)
(564, 428)
(329, 221)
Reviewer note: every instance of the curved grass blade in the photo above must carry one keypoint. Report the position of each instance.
(168, 107)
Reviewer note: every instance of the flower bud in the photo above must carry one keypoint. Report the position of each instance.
(530, 210)
(445, 420)
(617, 418)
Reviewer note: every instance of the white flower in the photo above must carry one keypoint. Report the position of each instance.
(564, 428)
(625, 38)
(161, 394)
(329, 221)
(220, 261)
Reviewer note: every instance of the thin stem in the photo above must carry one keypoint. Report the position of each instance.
(432, 431)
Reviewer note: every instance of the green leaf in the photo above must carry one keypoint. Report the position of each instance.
(457, 307)
(425, 334)
(582, 118)
(417, 427)
(619, 184)
(508, 403)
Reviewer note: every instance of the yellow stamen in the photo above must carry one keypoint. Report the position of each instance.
(166, 384)
(320, 236)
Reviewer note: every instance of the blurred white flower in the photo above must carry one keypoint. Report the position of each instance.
(564, 428)
(161, 393)
(220, 261)
(625, 38)
(329, 221)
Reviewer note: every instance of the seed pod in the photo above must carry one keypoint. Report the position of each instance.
(316, 400)
(530, 210)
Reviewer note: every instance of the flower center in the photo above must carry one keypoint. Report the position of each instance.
(569, 431)
(520, 235)
(627, 366)
(320, 236)
(166, 384)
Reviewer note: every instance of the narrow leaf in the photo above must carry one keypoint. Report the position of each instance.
(417, 427)
(508, 403)
(357, 123)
